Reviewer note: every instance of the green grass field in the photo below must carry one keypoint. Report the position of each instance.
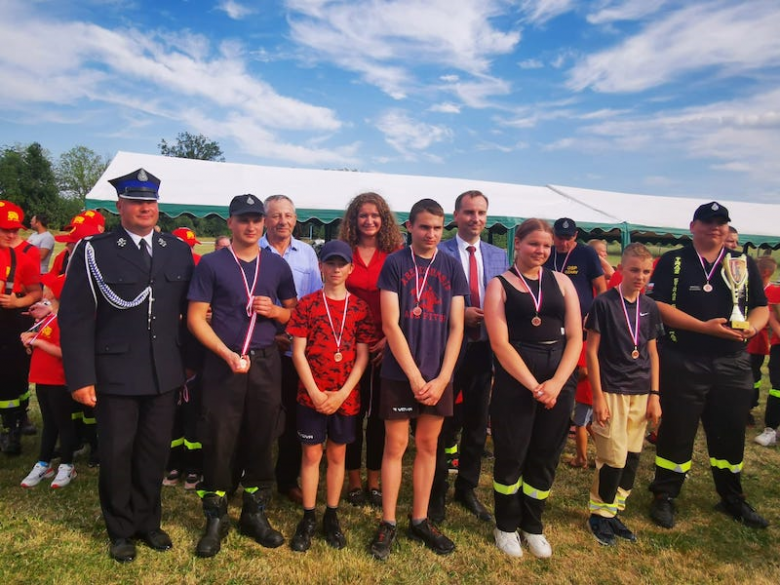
(58, 537)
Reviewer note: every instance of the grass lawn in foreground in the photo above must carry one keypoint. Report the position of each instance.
(58, 537)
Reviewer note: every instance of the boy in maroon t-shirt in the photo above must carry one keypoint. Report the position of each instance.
(330, 330)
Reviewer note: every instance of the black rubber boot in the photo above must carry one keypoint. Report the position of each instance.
(217, 525)
(254, 523)
(13, 444)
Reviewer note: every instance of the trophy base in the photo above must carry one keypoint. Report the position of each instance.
(741, 325)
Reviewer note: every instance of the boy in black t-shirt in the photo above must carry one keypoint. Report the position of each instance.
(623, 365)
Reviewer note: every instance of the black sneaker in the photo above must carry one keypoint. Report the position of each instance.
(621, 530)
(332, 529)
(383, 541)
(743, 512)
(301, 541)
(601, 529)
(662, 511)
(356, 497)
(374, 497)
(427, 533)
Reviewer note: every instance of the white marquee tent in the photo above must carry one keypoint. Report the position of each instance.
(202, 188)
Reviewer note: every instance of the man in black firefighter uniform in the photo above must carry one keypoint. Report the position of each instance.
(122, 335)
(705, 370)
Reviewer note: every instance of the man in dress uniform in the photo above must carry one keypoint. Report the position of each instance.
(705, 368)
(122, 337)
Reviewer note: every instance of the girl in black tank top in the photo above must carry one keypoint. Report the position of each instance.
(520, 310)
(535, 330)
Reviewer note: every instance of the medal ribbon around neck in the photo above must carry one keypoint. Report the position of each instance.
(708, 275)
(536, 321)
(634, 333)
(337, 356)
(417, 287)
(250, 297)
(565, 260)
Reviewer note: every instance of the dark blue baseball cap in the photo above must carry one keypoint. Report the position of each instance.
(336, 249)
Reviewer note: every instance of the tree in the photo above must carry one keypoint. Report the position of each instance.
(78, 170)
(191, 146)
(27, 178)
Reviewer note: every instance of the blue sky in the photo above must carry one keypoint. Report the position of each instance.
(642, 96)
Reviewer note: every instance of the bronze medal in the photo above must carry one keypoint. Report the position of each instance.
(417, 311)
(337, 357)
(635, 353)
(707, 287)
(536, 321)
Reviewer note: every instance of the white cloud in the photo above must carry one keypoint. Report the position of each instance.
(235, 10)
(445, 108)
(617, 10)
(160, 73)
(385, 41)
(540, 11)
(531, 64)
(734, 39)
(742, 134)
(408, 136)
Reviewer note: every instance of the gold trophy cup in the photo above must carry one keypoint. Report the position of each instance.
(735, 273)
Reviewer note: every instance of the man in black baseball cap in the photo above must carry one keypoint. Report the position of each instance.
(577, 261)
(241, 372)
(705, 373)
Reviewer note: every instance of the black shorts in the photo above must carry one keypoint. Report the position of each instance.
(314, 427)
(398, 402)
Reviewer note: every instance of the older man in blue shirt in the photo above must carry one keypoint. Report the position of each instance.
(280, 221)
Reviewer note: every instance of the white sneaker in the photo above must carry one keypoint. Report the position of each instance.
(768, 438)
(508, 542)
(538, 545)
(65, 473)
(39, 472)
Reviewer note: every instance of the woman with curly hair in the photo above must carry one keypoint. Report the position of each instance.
(370, 228)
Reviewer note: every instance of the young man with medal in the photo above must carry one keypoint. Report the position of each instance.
(331, 330)
(250, 292)
(474, 373)
(122, 334)
(622, 358)
(422, 298)
(711, 302)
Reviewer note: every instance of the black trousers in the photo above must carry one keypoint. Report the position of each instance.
(528, 440)
(718, 390)
(374, 426)
(135, 436)
(56, 406)
(473, 378)
(240, 419)
(288, 460)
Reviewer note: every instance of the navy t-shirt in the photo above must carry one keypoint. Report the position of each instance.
(427, 333)
(581, 266)
(620, 373)
(679, 280)
(217, 281)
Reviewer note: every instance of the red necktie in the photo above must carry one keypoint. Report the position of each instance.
(474, 333)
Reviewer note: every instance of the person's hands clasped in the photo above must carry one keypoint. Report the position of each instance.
(431, 392)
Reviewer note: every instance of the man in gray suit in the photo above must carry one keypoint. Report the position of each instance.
(473, 375)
